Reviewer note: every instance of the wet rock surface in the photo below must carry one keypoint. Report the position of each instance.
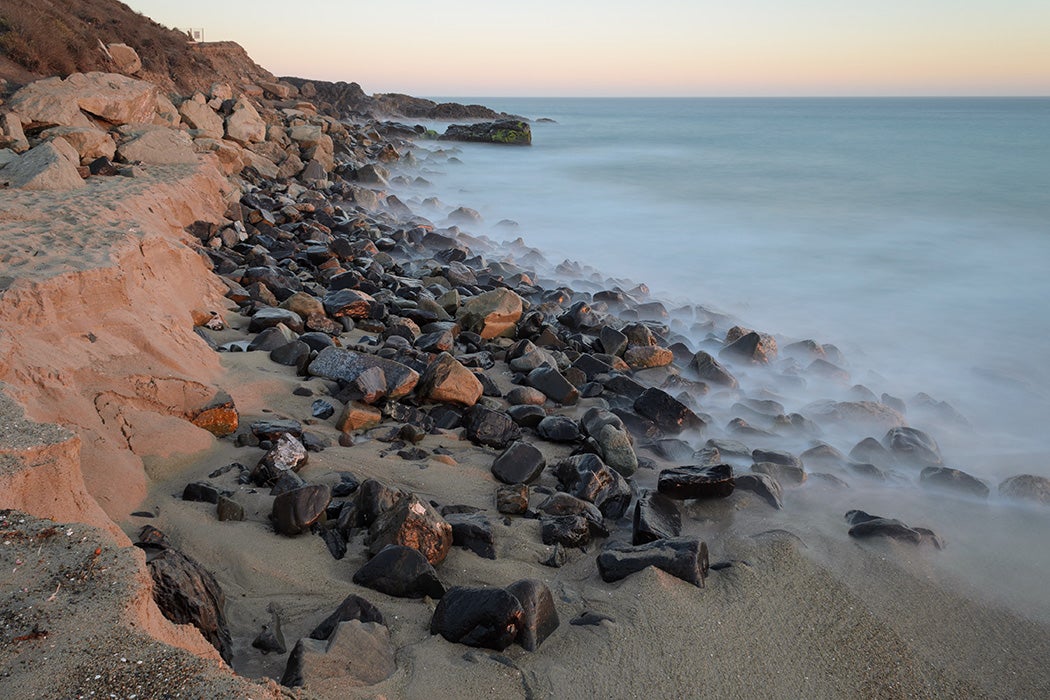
(682, 557)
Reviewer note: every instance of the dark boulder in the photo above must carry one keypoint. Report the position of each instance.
(519, 463)
(540, 617)
(656, 517)
(558, 429)
(295, 511)
(696, 482)
(553, 385)
(586, 476)
(711, 370)
(474, 532)
(288, 455)
(913, 447)
(353, 607)
(762, 484)
(793, 475)
(866, 525)
(493, 428)
(683, 557)
(186, 592)
(758, 348)
(401, 572)
(414, 523)
(478, 617)
(670, 415)
(375, 498)
(510, 132)
(347, 365)
(566, 530)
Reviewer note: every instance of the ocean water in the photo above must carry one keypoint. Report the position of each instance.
(914, 234)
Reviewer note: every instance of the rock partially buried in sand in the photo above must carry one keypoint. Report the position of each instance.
(401, 572)
(478, 617)
(587, 477)
(353, 607)
(762, 484)
(953, 480)
(1027, 487)
(357, 654)
(519, 463)
(474, 532)
(683, 557)
(295, 511)
(347, 365)
(656, 517)
(866, 525)
(493, 428)
(540, 618)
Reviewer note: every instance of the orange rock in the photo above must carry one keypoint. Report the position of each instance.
(219, 421)
(357, 415)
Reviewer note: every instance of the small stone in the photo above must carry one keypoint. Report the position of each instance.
(322, 409)
(512, 499)
(229, 509)
(271, 639)
(358, 416)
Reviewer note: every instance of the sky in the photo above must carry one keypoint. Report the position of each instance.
(639, 47)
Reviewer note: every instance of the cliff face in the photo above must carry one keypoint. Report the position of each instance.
(95, 326)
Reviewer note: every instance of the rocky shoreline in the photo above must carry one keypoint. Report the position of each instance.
(388, 441)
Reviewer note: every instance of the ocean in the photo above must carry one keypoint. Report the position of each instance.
(914, 234)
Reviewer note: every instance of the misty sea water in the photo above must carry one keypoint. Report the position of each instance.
(913, 233)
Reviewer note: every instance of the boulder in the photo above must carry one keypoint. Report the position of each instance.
(447, 381)
(758, 348)
(1029, 487)
(295, 511)
(357, 654)
(565, 530)
(346, 365)
(913, 447)
(414, 523)
(711, 370)
(44, 168)
(519, 463)
(859, 415)
(491, 314)
(683, 557)
(186, 592)
(401, 572)
(540, 617)
(353, 607)
(90, 144)
(111, 97)
(614, 445)
(696, 482)
(493, 428)
(158, 147)
(125, 59)
(511, 132)
(478, 617)
(553, 385)
(670, 415)
(647, 357)
(656, 517)
(558, 429)
(244, 125)
(474, 532)
(358, 416)
(199, 116)
(866, 525)
(351, 303)
(586, 476)
(767, 487)
(12, 135)
(953, 480)
(287, 454)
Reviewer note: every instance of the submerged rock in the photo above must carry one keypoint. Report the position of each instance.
(1029, 487)
(954, 480)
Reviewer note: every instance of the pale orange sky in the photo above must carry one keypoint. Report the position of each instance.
(654, 47)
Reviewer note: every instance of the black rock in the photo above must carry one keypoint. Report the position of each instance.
(270, 316)
(478, 617)
(274, 429)
(526, 416)
(559, 504)
(613, 341)
(322, 409)
(711, 370)
(588, 618)
(762, 484)
(287, 481)
(696, 482)
(335, 541)
(186, 592)
(670, 415)
(556, 559)
(586, 476)
(347, 485)
(566, 530)
(558, 429)
(540, 618)
(374, 498)
(473, 531)
(228, 509)
(292, 354)
(683, 557)
(866, 525)
(758, 348)
(200, 492)
(493, 428)
(554, 385)
(295, 511)
(353, 607)
(519, 463)
(953, 479)
(512, 499)
(623, 385)
(783, 473)
(400, 571)
(655, 517)
(579, 317)
(512, 132)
